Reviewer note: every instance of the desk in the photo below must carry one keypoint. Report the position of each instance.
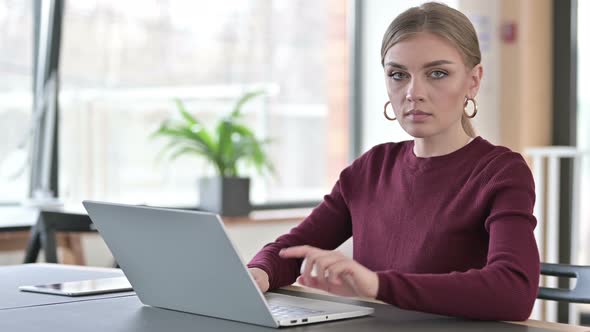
(126, 313)
(33, 274)
(51, 221)
(70, 219)
(16, 223)
(33, 229)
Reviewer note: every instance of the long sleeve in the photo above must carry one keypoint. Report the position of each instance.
(506, 287)
(328, 226)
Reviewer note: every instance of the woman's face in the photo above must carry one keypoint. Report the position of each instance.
(427, 82)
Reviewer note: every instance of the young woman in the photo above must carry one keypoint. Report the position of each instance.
(442, 223)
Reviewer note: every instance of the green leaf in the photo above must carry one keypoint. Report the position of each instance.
(181, 130)
(243, 100)
(243, 130)
(185, 114)
(195, 126)
(185, 150)
(225, 148)
(165, 150)
(229, 144)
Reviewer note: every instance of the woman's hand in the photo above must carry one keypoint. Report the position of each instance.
(334, 272)
(261, 278)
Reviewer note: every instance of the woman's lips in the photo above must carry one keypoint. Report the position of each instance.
(417, 116)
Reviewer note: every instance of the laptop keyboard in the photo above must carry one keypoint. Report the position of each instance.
(287, 311)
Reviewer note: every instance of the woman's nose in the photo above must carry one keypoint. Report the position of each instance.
(415, 91)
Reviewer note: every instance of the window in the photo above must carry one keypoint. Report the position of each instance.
(123, 63)
(16, 42)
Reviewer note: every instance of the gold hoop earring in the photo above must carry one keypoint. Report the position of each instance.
(467, 100)
(385, 112)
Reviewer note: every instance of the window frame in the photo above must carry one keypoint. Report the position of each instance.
(355, 112)
(565, 122)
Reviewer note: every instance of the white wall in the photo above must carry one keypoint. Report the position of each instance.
(376, 17)
(485, 16)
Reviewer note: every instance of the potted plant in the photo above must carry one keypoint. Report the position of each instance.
(229, 144)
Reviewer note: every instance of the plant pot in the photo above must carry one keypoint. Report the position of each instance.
(226, 196)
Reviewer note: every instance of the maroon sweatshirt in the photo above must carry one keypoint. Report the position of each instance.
(449, 235)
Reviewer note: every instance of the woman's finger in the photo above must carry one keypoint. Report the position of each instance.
(358, 278)
(348, 278)
(323, 264)
(308, 267)
(297, 251)
(339, 269)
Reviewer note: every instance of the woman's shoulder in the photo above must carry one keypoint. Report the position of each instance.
(500, 160)
(499, 154)
(380, 155)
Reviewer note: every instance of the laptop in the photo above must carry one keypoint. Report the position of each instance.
(185, 261)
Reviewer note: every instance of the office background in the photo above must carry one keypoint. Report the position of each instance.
(122, 63)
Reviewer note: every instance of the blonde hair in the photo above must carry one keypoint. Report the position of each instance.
(441, 20)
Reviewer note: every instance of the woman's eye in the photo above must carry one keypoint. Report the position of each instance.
(438, 74)
(398, 76)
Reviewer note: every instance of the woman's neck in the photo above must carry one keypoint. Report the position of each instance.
(441, 144)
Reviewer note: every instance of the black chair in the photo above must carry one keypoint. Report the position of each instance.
(581, 291)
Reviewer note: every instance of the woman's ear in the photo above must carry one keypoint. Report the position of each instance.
(475, 76)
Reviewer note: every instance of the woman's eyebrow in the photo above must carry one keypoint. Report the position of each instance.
(426, 65)
(437, 63)
(396, 65)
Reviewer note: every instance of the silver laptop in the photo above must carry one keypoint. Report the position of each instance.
(185, 261)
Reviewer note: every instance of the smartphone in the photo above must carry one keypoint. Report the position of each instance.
(84, 287)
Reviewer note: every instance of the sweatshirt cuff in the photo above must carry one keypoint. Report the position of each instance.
(385, 289)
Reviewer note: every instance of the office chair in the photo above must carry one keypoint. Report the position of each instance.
(579, 294)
